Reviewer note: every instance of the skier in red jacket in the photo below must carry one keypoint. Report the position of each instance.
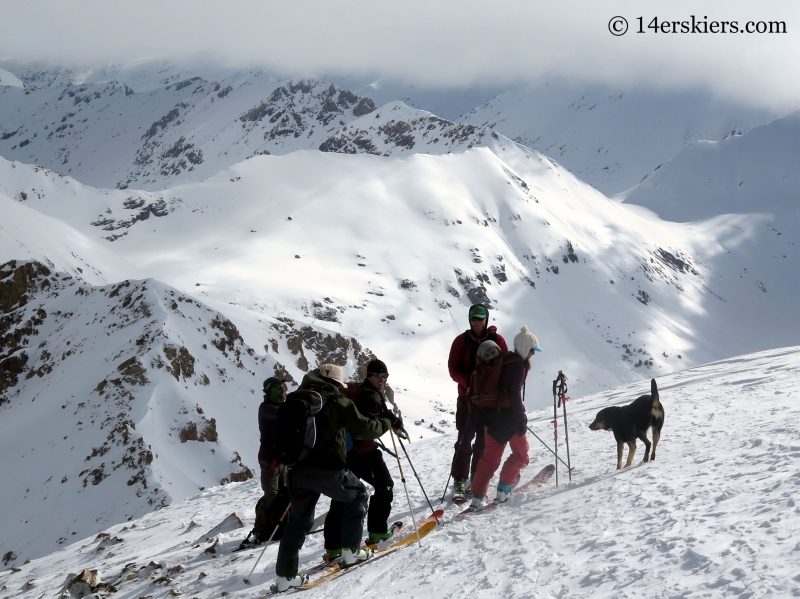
(461, 364)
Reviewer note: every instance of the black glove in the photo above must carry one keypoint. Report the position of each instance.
(395, 421)
(397, 424)
(522, 430)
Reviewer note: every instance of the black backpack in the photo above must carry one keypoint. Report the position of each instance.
(268, 518)
(296, 430)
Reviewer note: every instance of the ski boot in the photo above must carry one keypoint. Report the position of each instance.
(503, 493)
(477, 503)
(375, 538)
(331, 555)
(284, 583)
(354, 556)
(459, 490)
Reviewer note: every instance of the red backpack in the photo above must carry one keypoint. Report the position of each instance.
(483, 386)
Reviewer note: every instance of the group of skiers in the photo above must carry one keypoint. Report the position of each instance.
(346, 450)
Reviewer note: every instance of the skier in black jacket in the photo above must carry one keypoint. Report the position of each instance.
(365, 460)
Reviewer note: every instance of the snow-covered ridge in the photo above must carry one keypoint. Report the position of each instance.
(110, 133)
(392, 252)
(9, 79)
(715, 514)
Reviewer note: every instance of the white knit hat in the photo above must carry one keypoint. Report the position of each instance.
(524, 342)
(333, 372)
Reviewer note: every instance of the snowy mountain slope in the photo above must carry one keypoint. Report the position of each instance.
(751, 173)
(393, 251)
(611, 137)
(149, 127)
(26, 234)
(715, 515)
(9, 79)
(118, 399)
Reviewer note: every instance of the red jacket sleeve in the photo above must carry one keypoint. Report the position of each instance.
(501, 342)
(454, 364)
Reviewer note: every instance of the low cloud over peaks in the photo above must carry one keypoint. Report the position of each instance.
(433, 44)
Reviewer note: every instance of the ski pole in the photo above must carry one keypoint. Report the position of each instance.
(555, 434)
(405, 486)
(386, 449)
(564, 399)
(547, 446)
(414, 470)
(285, 512)
(560, 389)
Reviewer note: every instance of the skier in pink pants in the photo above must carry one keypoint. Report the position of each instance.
(505, 424)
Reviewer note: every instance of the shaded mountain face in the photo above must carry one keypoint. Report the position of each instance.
(149, 133)
(755, 172)
(611, 137)
(119, 399)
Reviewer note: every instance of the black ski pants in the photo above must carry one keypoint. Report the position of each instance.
(369, 467)
(468, 429)
(304, 492)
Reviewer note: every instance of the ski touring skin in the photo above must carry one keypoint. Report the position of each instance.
(544, 475)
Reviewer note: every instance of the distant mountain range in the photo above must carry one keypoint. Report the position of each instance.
(181, 128)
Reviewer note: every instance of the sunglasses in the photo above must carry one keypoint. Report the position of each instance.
(379, 375)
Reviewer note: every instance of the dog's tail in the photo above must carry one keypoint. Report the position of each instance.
(654, 389)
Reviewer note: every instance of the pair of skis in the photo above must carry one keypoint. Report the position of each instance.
(542, 477)
(337, 568)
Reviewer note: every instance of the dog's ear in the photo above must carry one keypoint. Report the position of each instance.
(653, 389)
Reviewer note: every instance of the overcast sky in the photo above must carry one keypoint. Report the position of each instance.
(433, 42)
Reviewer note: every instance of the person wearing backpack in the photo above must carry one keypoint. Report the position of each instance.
(365, 460)
(503, 415)
(461, 365)
(323, 471)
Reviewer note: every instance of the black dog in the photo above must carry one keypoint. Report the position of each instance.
(631, 422)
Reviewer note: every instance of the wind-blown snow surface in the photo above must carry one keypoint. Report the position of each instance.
(714, 516)
(611, 137)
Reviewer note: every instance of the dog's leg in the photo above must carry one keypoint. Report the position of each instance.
(644, 439)
(619, 454)
(631, 451)
(656, 437)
